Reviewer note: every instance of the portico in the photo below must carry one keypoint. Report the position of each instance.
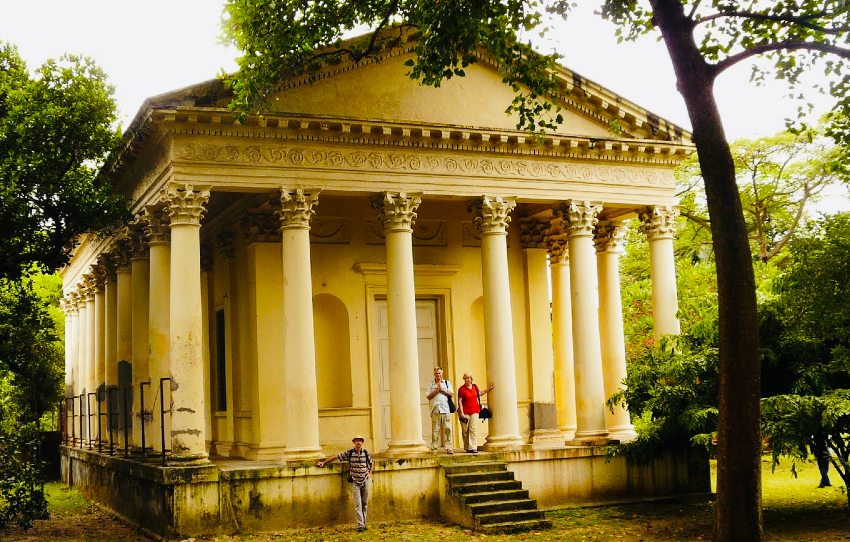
(292, 280)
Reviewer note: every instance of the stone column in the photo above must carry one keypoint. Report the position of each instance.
(110, 330)
(124, 316)
(562, 333)
(186, 208)
(89, 402)
(82, 321)
(139, 323)
(300, 414)
(543, 413)
(159, 297)
(206, 268)
(590, 390)
(492, 218)
(397, 212)
(659, 224)
(613, 342)
(99, 329)
(71, 344)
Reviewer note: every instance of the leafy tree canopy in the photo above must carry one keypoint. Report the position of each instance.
(55, 132)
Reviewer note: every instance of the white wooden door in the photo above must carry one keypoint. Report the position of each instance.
(429, 357)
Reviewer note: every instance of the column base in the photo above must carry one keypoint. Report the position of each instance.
(302, 454)
(406, 448)
(623, 433)
(265, 452)
(502, 442)
(546, 438)
(188, 458)
(598, 437)
(568, 432)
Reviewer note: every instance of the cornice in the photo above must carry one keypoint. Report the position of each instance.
(376, 133)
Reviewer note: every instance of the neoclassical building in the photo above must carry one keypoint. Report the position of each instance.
(292, 280)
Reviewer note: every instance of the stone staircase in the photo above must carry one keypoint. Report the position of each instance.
(485, 497)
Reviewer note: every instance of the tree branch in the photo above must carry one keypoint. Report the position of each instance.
(790, 45)
(693, 217)
(788, 18)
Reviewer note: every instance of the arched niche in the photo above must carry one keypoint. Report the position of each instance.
(333, 354)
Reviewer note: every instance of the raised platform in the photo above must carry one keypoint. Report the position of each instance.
(228, 496)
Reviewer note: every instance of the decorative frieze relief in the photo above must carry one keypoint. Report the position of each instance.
(426, 233)
(492, 214)
(608, 236)
(313, 157)
(397, 210)
(659, 221)
(297, 207)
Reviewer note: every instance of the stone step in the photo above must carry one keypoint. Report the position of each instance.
(508, 516)
(494, 496)
(488, 507)
(475, 466)
(478, 477)
(515, 526)
(496, 485)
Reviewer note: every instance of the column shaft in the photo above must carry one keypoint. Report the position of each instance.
(140, 342)
(492, 221)
(590, 391)
(659, 224)
(186, 208)
(613, 341)
(111, 357)
(301, 401)
(562, 337)
(397, 211)
(159, 296)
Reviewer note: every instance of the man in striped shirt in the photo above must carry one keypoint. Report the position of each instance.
(359, 477)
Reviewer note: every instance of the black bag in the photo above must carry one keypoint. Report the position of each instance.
(484, 413)
(452, 407)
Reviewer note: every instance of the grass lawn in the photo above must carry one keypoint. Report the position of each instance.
(794, 509)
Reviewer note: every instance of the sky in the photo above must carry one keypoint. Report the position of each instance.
(154, 46)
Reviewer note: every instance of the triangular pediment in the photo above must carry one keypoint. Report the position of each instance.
(382, 91)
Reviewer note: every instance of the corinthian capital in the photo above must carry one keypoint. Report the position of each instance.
(659, 221)
(492, 214)
(156, 225)
(608, 235)
(580, 217)
(297, 208)
(397, 210)
(186, 204)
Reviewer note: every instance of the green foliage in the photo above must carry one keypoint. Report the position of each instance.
(55, 132)
(31, 352)
(795, 424)
(779, 178)
(22, 498)
(671, 393)
(288, 38)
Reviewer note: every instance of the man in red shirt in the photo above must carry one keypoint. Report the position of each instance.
(468, 408)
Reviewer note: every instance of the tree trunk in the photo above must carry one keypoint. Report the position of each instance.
(738, 508)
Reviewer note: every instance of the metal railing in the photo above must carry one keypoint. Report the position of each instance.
(111, 407)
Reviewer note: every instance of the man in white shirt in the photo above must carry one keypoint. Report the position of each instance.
(439, 392)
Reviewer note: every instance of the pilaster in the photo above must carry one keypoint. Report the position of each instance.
(544, 422)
